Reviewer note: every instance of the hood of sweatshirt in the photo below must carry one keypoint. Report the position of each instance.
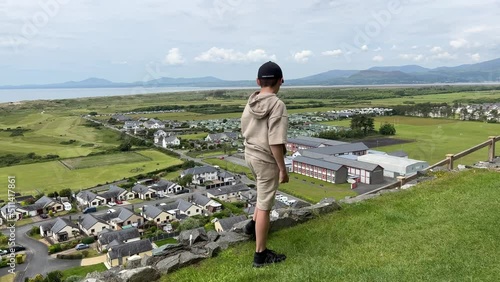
(260, 104)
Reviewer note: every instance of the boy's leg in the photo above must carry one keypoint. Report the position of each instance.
(261, 230)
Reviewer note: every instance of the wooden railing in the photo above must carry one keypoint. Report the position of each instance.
(450, 158)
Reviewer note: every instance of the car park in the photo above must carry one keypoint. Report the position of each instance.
(81, 246)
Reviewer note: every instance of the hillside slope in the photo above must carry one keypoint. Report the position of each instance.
(444, 230)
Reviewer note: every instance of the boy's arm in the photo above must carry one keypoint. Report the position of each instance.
(277, 151)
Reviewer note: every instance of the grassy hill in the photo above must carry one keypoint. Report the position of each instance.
(444, 230)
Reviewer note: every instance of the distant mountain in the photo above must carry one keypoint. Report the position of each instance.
(488, 71)
(405, 69)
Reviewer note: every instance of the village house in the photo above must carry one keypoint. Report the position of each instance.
(120, 218)
(10, 211)
(166, 142)
(124, 235)
(119, 252)
(164, 187)
(132, 125)
(225, 224)
(42, 205)
(222, 137)
(157, 215)
(142, 192)
(116, 193)
(121, 118)
(89, 199)
(92, 225)
(181, 207)
(302, 143)
(60, 230)
(158, 134)
(201, 174)
(228, 193)
(207, 204)
(153, 124)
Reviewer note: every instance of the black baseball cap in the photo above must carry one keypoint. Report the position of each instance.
(270, 70)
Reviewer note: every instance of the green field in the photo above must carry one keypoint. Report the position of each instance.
(53, 176)
(434, 138)
(444, 230)
(47, 133)
(304, 188)
(226, 165)
(82, 271)
(104, 160)
(197, 136)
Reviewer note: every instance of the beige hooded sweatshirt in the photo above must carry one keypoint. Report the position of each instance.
(264, 122)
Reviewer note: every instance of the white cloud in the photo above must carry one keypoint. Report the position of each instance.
(364, 48)
(215, 54)
(413, 57)
(174, 57)
(476, 57)
(414, 47)
(476, 29)
(444, 56)
(119, 62)
(302, 56)
(436, 49)
(394, 47)
(378, 49)
(378, 59)
(459, 43)
(333, 53)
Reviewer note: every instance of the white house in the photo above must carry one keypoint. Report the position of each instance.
(62, 229)
(228, 193)
(158, 134)
(154, 124)
(166, 142)
(132, 125)
(395, 166)
(89, 199)
(164, 187)
(219, 137)
(201, 174)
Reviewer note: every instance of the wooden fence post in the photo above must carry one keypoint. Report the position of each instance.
(492, 148)
(450, 161)
(401, 180)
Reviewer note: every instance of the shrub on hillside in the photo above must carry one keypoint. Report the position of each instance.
(88, 240)
(55, 248)
(387, 129)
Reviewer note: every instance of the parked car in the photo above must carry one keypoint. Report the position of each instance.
(111, 211)
(16, 248)
(111, 204)
(44, 216)
(90, 209)
(119, 202)
(81, 246)
(4, 252)
(184, 191)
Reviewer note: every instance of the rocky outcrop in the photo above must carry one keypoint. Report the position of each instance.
(196, 245)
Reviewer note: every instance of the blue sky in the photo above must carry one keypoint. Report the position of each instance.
(59, 40)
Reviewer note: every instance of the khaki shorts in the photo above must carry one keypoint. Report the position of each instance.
(267, 181)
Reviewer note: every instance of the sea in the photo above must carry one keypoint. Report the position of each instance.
(18, 95)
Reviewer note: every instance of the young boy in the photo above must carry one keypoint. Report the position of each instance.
(264, 126)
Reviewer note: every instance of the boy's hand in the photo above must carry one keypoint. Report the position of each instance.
(283, 176)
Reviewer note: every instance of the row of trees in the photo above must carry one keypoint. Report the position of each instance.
(361, 126)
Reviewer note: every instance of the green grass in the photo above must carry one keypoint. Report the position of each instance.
(83, 270)
(436, 137)
(8, 278)
(445, 230)
(314, 193)
(53, 176)
(172, 175)
(197, 136)
(47, 133)
(104, 160)
(165, 241)
(230, 166)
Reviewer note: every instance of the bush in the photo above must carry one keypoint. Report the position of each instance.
(85, 253)
(70, 256)
(34, 230)
(19, 259)
(55, 248)
(387, 129)
(74, 278)
(88, 240)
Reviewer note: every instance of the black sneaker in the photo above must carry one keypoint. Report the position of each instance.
(267, 257)
(250, 228)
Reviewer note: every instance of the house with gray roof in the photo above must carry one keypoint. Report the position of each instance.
(123, 236)
(222, 137)
(60, 230)
(119, 218)
(116, 193)
(156, 215)
(169, 141)
(153, 124)
(226, 177)
(89, 199)
(92, 225)
(164, 187)
(201, 174)
(142, 192)
(132, 125)
(357, 149)
(225, 224)
(42, 205)
(206, 203)
(10, 211)
(119, 253)
(228, 193)
(320, 169)
(121, 118)
(182, 207)
(304, 142)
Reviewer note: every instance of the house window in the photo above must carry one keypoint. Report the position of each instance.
(92, 230)
(129, 222)
(189, 212)
(197, 210)
(157, 220)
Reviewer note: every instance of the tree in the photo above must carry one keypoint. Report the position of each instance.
(363, 122)
(185, 180)
(66, 193)
(387, 129)
(54, 276)
(125, 146)
(92, 113)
